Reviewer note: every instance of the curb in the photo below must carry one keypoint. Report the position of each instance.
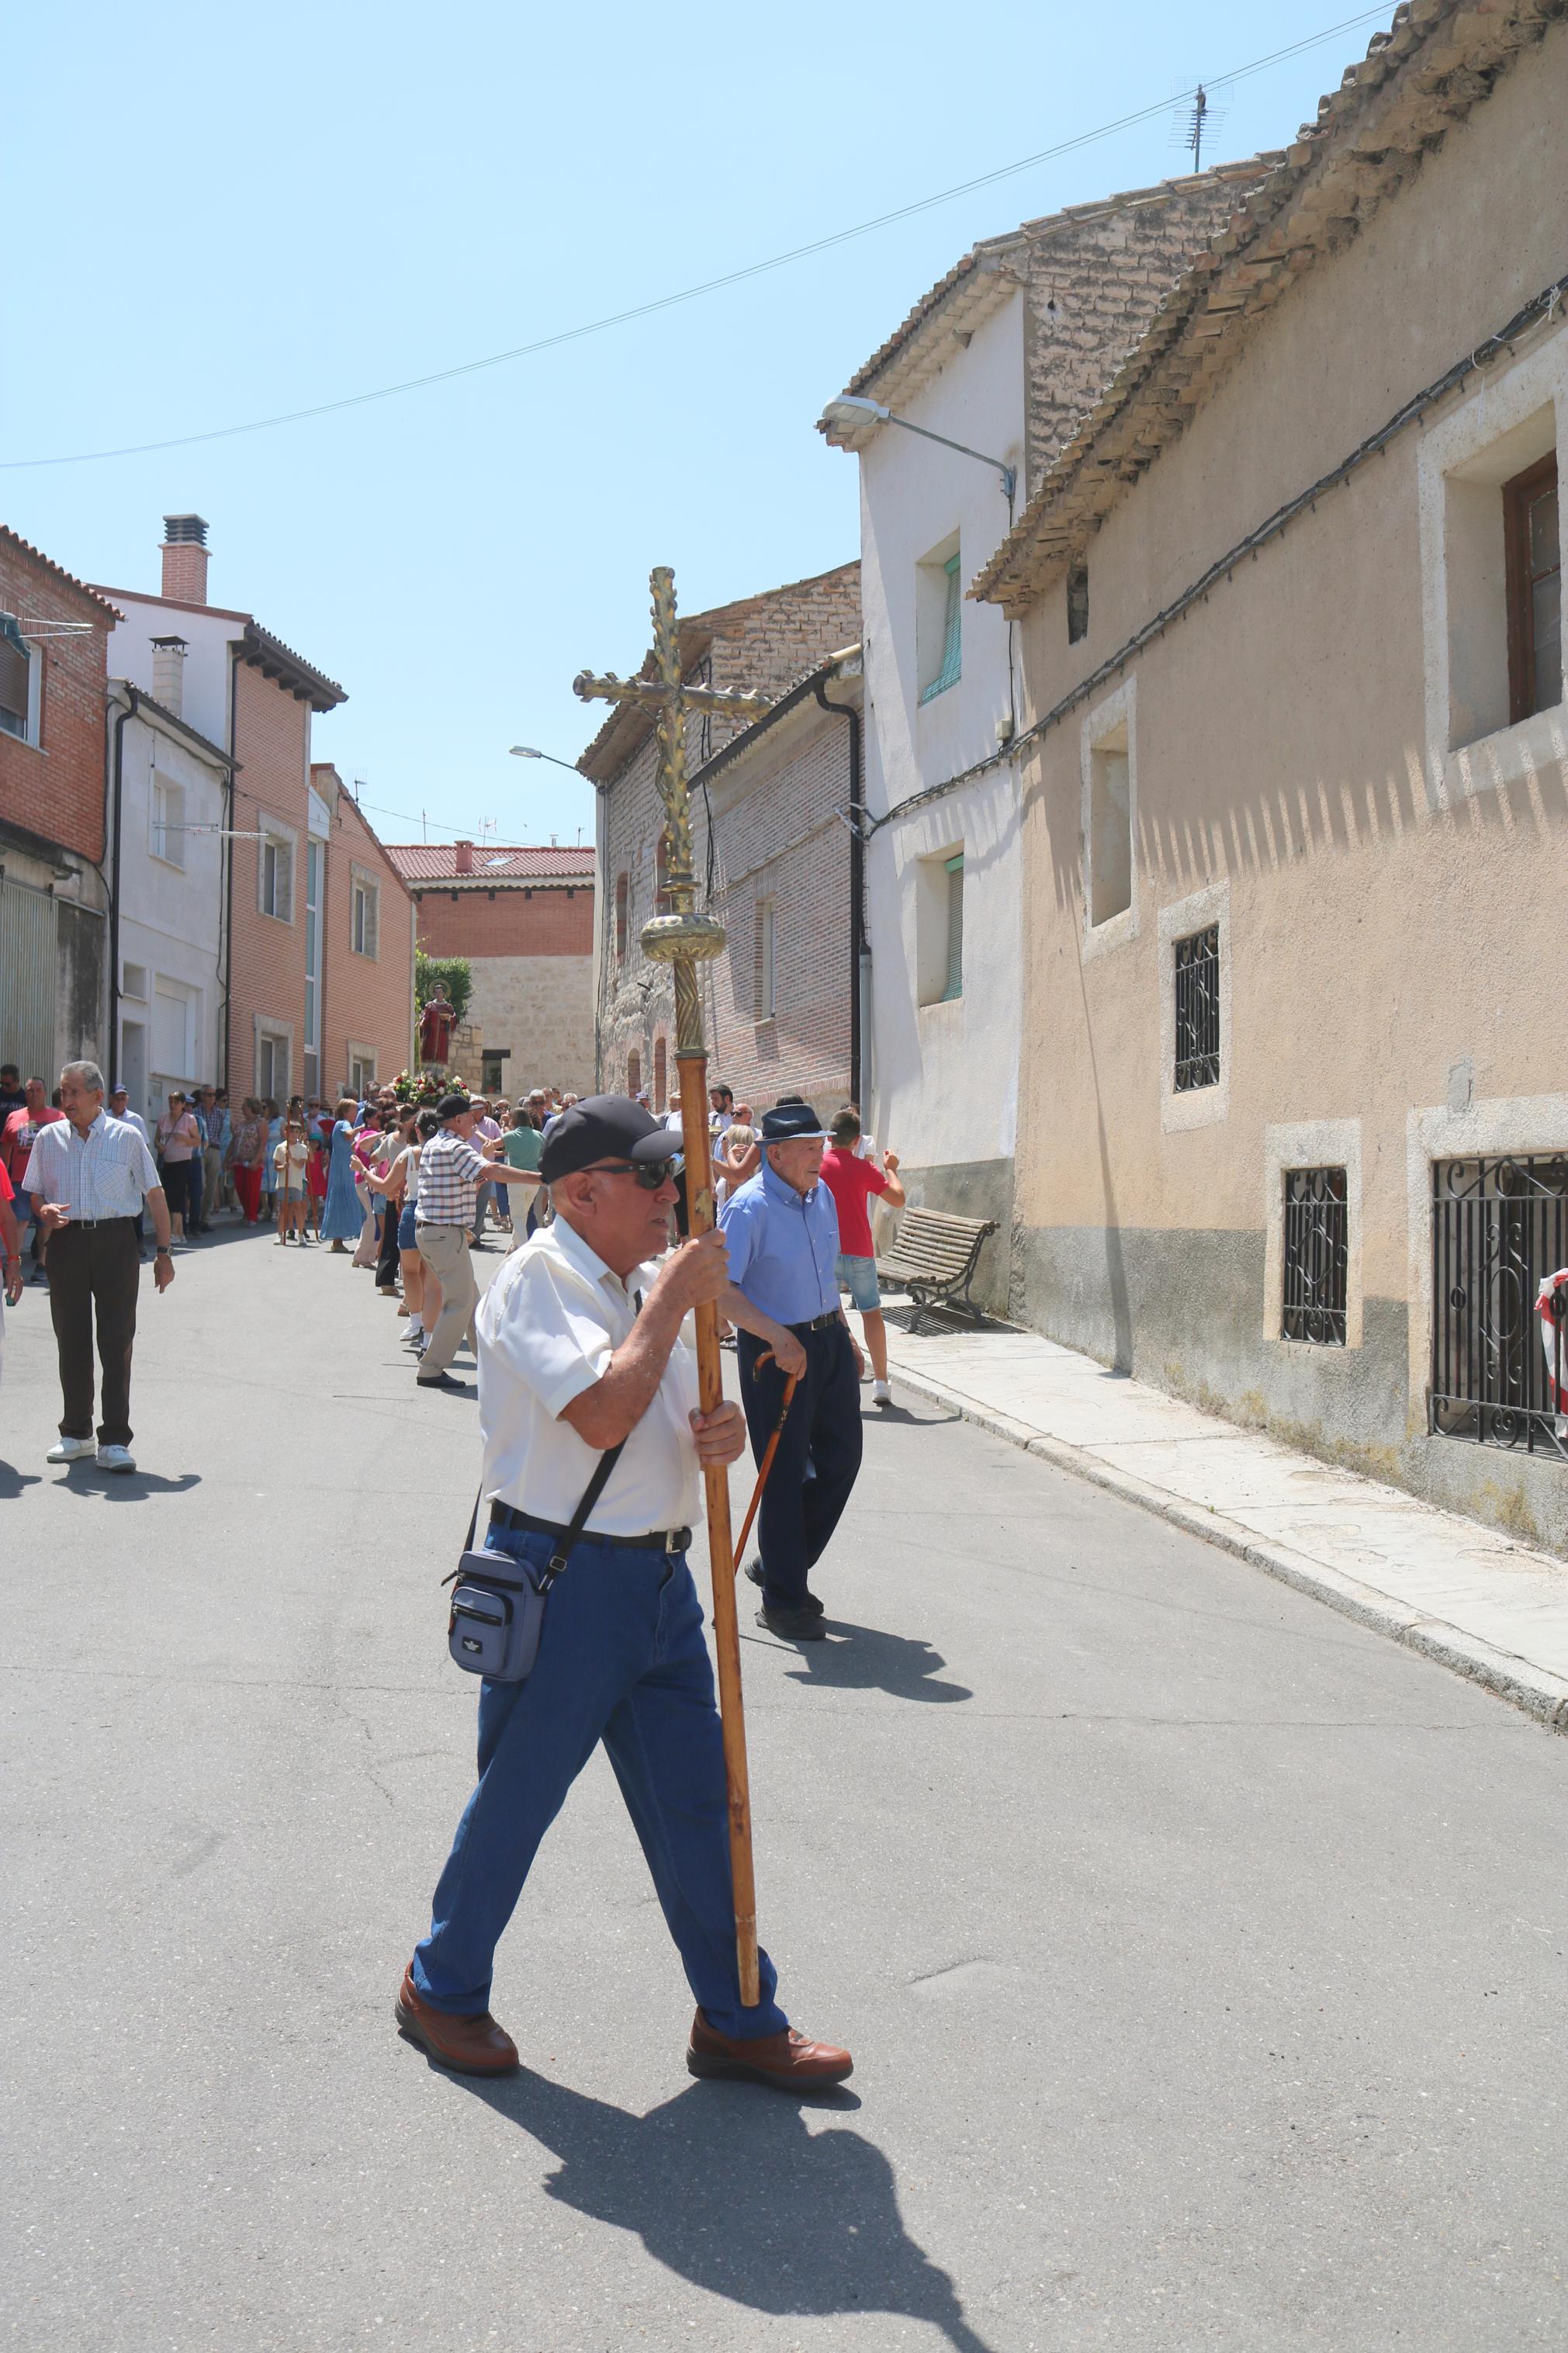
(1538, 1695)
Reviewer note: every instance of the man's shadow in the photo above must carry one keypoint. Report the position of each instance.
(85, 1478)
(867, 1659)
(13, 1481)
(726, 2187)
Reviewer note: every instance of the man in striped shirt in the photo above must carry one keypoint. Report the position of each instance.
(88, 1176)
(450, 1174)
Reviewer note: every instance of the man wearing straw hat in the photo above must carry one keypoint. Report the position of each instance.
(782, 1227)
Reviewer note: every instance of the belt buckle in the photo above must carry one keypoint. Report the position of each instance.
(669, 1543)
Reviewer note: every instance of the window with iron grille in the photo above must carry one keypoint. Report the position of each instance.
(1317, 1235)
(1078, 603)
(1499, 1338)
(1197, 1010)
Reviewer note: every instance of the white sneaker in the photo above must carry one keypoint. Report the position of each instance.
(881, 1393)
(116, 1458)
(72, 1449)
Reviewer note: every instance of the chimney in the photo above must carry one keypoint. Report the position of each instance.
(185, 559)
(169, 673)
(465, 864)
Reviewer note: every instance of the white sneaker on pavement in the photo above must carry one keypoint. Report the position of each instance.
(72, 1449)
(116, 1458)
(881, 1393)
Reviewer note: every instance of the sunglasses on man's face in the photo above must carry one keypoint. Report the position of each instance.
(650, 1174)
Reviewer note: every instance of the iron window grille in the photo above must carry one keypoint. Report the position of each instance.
(1533, 568)
(1316, 1238)
(1499, 1228)
(1197, 1010)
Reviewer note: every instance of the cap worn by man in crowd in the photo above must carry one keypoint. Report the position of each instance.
(604, 1128)
(792, 1123)
(452, 1106)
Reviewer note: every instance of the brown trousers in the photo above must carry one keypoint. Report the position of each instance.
(93, 1273)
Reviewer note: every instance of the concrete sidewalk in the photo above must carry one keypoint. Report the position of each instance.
(1450, 1587)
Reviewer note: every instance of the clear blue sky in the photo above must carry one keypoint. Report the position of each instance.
(215, 213)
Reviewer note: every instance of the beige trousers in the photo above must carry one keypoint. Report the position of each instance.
(444, 1251)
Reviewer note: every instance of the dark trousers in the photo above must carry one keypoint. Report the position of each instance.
(818, 1459)
(388, 1258)
(194, 1190)
(93, 1275)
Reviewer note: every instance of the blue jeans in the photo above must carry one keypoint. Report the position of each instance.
(622, 1659)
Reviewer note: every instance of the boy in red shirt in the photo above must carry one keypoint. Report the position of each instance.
(852, 1181)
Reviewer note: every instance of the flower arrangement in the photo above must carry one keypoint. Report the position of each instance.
(426, 1086)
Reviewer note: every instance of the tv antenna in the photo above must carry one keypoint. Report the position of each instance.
(1197, 117)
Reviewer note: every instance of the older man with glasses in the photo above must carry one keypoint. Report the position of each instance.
(583, 1366)
(88, 1176)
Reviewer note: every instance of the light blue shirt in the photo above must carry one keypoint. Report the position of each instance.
(104, 1174)
(784, 1247)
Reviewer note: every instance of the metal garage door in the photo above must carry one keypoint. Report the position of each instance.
(27, 980)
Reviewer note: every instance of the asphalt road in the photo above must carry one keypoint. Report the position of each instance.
(1198, 1950)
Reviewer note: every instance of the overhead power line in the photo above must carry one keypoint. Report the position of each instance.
(708, 285)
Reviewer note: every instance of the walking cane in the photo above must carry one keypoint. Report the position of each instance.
(773, 1447)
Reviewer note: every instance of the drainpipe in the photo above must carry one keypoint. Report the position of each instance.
(228, 854)
(127, 713)
(859, 947)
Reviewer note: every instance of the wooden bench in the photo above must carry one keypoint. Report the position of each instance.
(933, 1258)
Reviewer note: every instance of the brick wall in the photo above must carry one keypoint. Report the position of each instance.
(768, 642)
(367, 1000)
(1095, 278)
(775, 838)
(56, 787)
(506, 922)
(272, 744)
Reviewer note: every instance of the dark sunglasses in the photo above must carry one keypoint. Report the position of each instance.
(650, 1174)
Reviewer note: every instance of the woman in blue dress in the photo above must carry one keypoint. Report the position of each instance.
(341, 1218)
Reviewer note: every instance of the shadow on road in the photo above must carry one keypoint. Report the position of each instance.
(13, 1481)
(879, 1417)
(863, 1658)
(725, 2187)
(123, 1486)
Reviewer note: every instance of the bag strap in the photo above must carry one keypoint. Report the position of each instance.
(590, 1494)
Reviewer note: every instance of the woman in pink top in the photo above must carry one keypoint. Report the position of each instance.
(370, 1151)
(179, 1139)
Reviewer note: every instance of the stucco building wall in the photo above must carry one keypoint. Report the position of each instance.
(1390, 932)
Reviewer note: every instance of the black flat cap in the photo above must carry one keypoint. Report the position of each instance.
(604, 1128)
(453, 1106)
(792, 1123)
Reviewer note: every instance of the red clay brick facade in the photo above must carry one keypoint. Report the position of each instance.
(55, 787)
(511, 921)
(770, 642)
(367, 996)
(267, 951)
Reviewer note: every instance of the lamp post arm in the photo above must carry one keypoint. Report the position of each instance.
(1008, 473)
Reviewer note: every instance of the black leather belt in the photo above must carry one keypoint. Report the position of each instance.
(89, 1224)
(506, 1516)
(819, 1322)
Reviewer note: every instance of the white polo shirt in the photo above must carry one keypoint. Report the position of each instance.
(547, 1328)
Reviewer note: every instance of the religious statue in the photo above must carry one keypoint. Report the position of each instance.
(435, 1022)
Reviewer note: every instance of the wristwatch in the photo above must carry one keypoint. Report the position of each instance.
(163, 1251)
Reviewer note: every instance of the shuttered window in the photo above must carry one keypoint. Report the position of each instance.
(15, 678)
(952, 633)
(366, 916)
(954, 986)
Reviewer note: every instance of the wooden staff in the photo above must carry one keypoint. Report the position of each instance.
(685, 938)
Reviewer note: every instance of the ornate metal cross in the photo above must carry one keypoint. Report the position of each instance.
(684, 939)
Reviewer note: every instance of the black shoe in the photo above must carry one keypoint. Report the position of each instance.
(816, 1608)
(440, 1381)
(792, 1625)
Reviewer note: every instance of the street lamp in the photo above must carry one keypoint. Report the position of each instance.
(527, 752)
(850, 410)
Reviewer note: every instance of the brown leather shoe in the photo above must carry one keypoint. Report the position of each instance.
(790, 2060)
(469, 2046)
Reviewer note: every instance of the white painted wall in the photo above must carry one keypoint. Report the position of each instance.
(208, 635)
(170, 918)
(942, 1083)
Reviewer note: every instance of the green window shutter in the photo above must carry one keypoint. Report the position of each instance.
(952, 635)
(955, 929)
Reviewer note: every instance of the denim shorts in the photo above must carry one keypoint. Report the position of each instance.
(406, 1239)
(857, 1276)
